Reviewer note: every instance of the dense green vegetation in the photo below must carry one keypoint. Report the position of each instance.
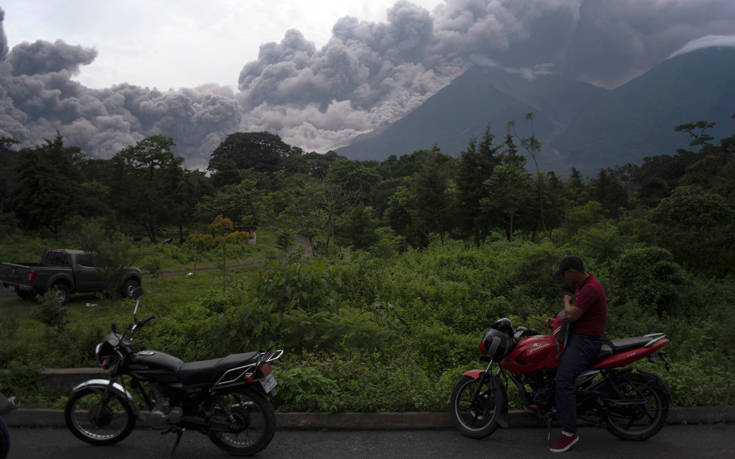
(384, 275)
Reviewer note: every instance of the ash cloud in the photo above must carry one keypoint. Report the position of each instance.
(43, 57)
(3, 38)
(367, 75)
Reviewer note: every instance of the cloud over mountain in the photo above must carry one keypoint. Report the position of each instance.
(366, 75)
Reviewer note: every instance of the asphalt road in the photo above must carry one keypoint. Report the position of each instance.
(700, 441)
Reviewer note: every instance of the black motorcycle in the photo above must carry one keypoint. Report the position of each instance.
(226, 398)
(6, 406)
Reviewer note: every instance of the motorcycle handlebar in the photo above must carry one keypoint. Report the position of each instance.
(142, 322)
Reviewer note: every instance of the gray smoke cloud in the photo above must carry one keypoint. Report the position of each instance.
(43, 57)
(367, 75)
(3, 39)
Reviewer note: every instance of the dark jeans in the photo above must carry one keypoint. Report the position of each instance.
(579, 355)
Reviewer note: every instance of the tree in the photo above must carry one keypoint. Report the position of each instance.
(260, 151)
(476, 165)
(145, 181)
(45, 185)
(6, 156)
(609, 192)
(508, 195)
(243, 203)
(698, 227)
(435, 197)
(532, 146)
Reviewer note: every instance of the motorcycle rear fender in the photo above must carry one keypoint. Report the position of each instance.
(657, 381)
(501, 396)
(104, 384)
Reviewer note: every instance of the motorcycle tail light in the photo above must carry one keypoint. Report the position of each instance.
(264, 370)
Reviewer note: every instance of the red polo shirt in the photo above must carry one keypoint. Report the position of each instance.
(590, 297)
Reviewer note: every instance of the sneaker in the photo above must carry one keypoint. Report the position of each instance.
(565, 442)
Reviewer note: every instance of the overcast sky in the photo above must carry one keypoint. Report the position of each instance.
(178, 43)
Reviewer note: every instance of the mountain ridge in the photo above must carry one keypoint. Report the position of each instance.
(579, 125)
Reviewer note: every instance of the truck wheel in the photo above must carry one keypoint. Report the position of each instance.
(128, 288)
(62, 292)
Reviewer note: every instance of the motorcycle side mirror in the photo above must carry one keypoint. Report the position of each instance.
(137, 294)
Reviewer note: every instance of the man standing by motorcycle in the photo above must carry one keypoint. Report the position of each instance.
(586, 315)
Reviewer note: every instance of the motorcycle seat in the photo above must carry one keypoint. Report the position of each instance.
(625, 344)
(208, 371)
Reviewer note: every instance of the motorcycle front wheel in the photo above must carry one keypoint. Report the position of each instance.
(474, 408)
(643, 411)
(99, 417)
(243, 421)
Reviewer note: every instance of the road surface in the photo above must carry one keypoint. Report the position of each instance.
(700, 441)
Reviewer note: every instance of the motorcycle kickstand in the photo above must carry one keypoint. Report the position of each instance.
(179, 432)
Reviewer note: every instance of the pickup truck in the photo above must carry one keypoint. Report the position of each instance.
(65, 272)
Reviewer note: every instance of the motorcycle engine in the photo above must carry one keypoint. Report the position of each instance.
(163, 414)
(542, 386)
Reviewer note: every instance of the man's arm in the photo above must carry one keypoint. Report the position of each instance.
(572, 312)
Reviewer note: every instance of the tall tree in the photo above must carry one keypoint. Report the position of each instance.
(145, 181)
(260, 151)
(45, 184)
(476, 165)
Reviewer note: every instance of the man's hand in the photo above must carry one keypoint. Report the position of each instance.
(549, 322)
(571, 312)
(567, 301)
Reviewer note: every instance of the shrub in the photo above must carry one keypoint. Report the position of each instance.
(151, 265)
(651, 277)
(305, 389)
(51, 311)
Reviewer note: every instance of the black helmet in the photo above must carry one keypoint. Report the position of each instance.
(495, 343)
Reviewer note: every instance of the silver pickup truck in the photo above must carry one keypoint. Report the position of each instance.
(65, 272)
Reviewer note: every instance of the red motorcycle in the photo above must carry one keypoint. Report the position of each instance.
(632, 404)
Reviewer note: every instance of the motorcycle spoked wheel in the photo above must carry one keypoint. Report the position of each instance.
(475, 414)
(249, 419)
(4, 440)
(93, 420)
(638, 422)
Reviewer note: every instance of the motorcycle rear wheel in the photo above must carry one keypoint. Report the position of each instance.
(93, 420)
(639, 422)
(474, 417)
(251, 421)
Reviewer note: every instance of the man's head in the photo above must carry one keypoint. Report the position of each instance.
(572, 269)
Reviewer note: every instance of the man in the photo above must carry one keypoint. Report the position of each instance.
(586, 315)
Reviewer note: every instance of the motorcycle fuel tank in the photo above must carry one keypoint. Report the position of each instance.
(531, 354)
(155, 365)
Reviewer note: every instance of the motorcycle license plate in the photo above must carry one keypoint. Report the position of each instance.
(268, 383)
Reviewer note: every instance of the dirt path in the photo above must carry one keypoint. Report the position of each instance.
(200, 270)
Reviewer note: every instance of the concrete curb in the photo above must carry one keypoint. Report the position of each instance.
(39, 418)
